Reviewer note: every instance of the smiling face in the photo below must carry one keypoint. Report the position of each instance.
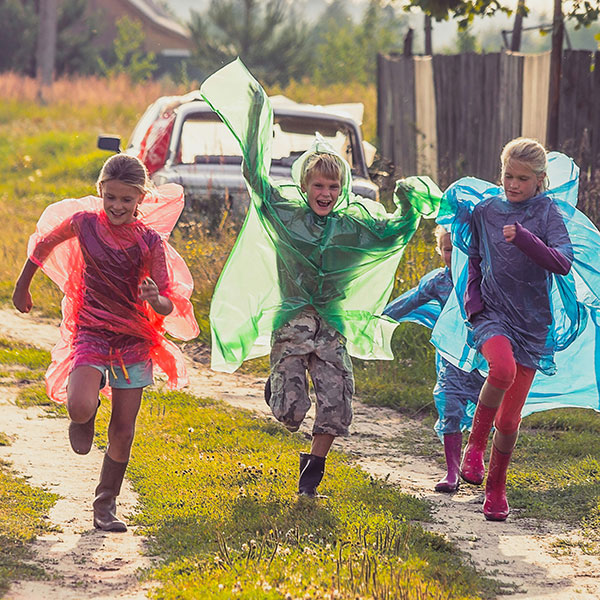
(520, 182)
(322, 193)
(120, 201)
(444, 249)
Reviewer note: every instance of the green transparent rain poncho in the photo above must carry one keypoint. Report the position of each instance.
(287, 258)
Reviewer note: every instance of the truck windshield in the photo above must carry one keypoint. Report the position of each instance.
(205, 139)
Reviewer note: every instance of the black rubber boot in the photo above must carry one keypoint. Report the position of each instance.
(105, 503)
(312, 469)
(81, 435)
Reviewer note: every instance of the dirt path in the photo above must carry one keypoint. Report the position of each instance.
(90, 564)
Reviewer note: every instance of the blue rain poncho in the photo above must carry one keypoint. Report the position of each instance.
(286, 257)
(570, 345)
(456, 391)
(516, 290)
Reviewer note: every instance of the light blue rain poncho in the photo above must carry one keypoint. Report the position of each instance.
(286, 257)
(571, 346)
(456, 391)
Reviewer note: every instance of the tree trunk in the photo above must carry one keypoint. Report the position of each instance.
(428, 28)
(46, 46)
(555, 72)
(515, 44)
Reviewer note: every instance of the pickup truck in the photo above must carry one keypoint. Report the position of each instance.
(201, 154)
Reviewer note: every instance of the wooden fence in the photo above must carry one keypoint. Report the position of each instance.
(450, 115)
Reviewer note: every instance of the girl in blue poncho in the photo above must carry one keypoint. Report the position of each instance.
(455, 391)
(517, 243)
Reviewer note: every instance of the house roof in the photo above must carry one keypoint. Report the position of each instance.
(159, 16)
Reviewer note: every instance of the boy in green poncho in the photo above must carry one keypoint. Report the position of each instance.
(308, 277)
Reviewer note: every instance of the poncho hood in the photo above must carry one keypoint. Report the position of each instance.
(320, 146)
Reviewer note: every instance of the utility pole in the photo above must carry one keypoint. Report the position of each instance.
(428, 28)
(558, 28)
(46, 46)
(515, 44)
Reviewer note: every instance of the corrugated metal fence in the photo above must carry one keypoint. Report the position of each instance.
(450, 115)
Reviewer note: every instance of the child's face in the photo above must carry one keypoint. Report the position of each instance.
(445, 249)
(520, 182)
(120, 201)
(322, 193)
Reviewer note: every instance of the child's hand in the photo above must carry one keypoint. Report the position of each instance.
(148, 290)
(22, 299)
(509, 231)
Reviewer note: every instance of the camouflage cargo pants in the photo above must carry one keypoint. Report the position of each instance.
(308, 343)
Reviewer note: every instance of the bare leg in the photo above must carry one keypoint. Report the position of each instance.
(82, 393)
(121, 429)
(321, 443)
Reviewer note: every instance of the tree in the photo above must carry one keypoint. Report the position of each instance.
(130, 57)
(347, 51)
(46, 44)
(19, 20)
(466, 41)
(75, 51)
(584, 12)
(18, 35)
(267, 35)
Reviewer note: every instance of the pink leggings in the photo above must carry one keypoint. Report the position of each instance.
(506, 374)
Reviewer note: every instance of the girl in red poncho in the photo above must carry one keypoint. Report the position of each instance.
(124, 286)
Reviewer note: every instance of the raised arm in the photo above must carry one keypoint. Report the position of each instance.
(243, 106)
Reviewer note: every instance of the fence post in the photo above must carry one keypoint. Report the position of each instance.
(555, 71)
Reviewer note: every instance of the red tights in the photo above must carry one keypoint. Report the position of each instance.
(506, 374)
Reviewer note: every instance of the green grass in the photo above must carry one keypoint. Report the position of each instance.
(35, 395)
(555, 470)
(17, 353)
(23, 508)
(22, 512)
(217, 498)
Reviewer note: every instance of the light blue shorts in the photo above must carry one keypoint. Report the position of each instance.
(140, 375)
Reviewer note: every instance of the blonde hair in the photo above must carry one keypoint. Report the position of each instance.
(325, 164)
(530, 153)
(439, 232)
(126, 169)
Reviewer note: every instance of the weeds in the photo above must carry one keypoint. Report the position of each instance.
(22, 512)
(217, 491)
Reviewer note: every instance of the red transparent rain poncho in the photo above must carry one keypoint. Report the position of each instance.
(98, 267)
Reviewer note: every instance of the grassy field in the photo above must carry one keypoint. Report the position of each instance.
(217, 500)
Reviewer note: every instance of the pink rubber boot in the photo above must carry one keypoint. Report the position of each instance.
(452, 448)
(472, 468)
(495, 506)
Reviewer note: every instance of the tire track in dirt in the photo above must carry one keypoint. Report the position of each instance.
(518, 552)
